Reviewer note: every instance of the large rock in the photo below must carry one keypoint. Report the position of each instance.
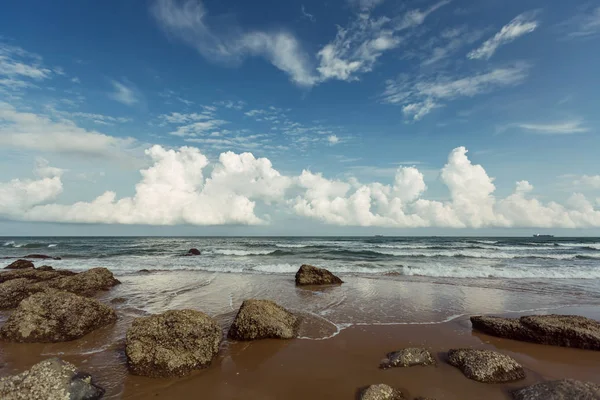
(310, 275)
(86, 283)
(486, 365)
(193, 252)
(556, 330)
(564, 389)
(52, 379)
(263, 319)
(381, 392)
(55, 316)
(20, 264)
(34, 274)
(14, 291)
(408, 357)
(172, 344)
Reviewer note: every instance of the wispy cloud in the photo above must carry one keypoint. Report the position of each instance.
(521, 25)
(20, 69)
(420, 95)
(365, 5)
(556, 128)
(124, 93)
(306, 15)
(585, 24)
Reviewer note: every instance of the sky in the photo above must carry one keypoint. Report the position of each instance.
(343, 117)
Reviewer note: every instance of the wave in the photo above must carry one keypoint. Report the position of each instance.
(237, 252)
(456, 254)
(442, 271)
(292, 246)
(52, 245)
(11, 243)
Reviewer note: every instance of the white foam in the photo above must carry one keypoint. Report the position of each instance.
(234, 252)
(9, 243)
(445, 271)
(276, 268)
(52, 245)
(291, 246)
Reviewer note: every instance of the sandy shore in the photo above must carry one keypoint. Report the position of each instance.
(349, 330)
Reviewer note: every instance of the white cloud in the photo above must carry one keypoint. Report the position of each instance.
(177, 189)
(557, 128)
(519, 26)
(19, 69)
(333, 139)
(420, 95)
(306, 15)
(585, 24)
(449, 42)
(198, 128)
(588, 181)
(179, 118)
(188, 21)
(124, 93)
(365, 5)
(42, 133)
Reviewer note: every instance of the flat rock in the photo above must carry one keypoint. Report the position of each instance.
(311, 275)
(172, 343)
(263, 319)
(381, 392)
(34, 274)
(51, 379)
(86, 283)
(556, 330)
(20, 264)
(564, 389)
(408, 357)
(486, 365)
(55, 316)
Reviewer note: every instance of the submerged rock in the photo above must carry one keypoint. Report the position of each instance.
(86, 283)
(51, 379)
(263, 319)
(14, 291)
(407, 358)
(486, 365)
(55, 316)
(172, 343)
(555, 330)
(41, 257)
(310, 275)
(193, 252)
(20, 264)
(564, 389)
(381, 392)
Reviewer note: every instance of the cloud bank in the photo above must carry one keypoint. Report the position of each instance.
(181, 187)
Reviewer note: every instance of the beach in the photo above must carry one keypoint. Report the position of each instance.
(346, 330)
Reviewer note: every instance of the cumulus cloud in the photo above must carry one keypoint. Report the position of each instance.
(181, 187)
(188, 20)
(588, 181)
(43, 133)
(519, 26)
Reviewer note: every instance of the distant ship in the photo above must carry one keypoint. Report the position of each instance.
(542, 236)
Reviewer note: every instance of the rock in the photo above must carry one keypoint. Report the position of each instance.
(45, 268)
(193, 252)
(310, 275)
(86, 283)
(172, 343)
(41, 257)
(118, 300)
(51, 379)
(14, 291)
(486, 365)
(262, 319)
(33, 274)
(144, 271)
(55, 316)
(564, 389)
(381, 392)
(555, 330)
(20, 264)
(407, 358)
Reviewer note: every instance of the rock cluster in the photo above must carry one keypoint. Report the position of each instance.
(172, 343)
(486, 365)
(408, 357)
(55, 316)
(50, 379)
(310, 275)
(263, 319)
(556, 330)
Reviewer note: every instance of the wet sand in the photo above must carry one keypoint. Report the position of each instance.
(348, 330)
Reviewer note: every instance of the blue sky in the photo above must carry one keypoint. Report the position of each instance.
(377, 101)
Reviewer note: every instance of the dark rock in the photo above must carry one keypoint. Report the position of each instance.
(381, 392)
(20, 264)
(564, 389)
(486, 365)
(555, 330)
(172, 344)
(407, 358)
(263, 319)
(144, 271)
(12, 292)
(55, 316)
(193, 252)
(45, 268)
(50, 379)
(41, 257)
(310, 275)
(86, 283)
